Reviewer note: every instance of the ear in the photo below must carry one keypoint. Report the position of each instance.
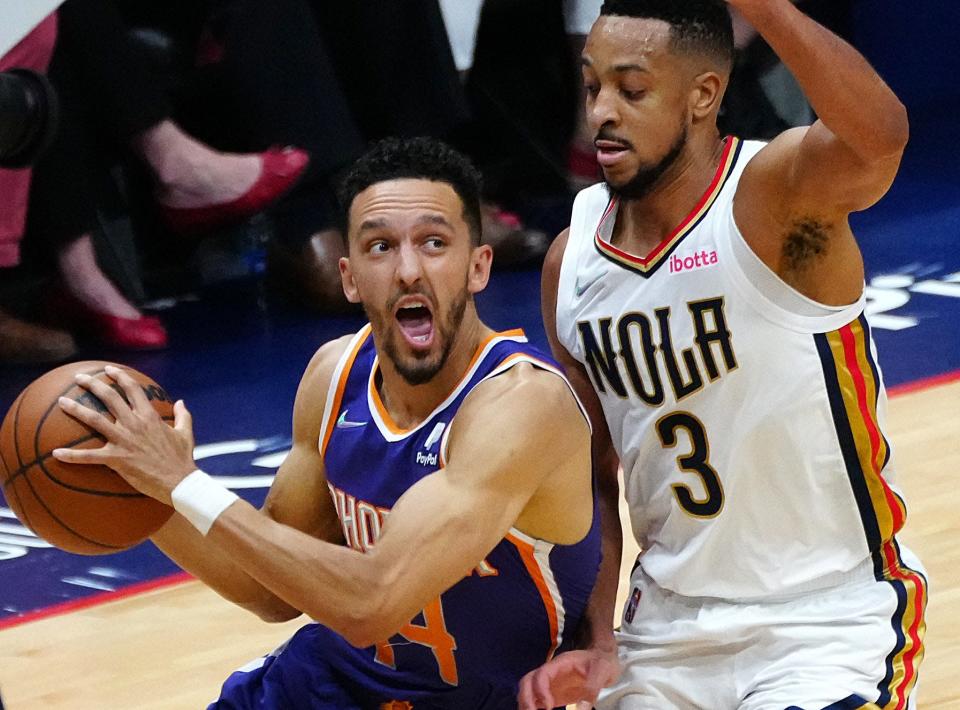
(706, 95)
(349, 283)
(481, 259)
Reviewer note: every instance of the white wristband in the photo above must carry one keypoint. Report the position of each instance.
(201, 500)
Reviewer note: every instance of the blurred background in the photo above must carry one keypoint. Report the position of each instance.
(167, 176)
(156, 154)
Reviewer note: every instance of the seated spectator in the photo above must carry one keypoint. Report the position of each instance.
(114, 100)
(109, 101)
(249, 75)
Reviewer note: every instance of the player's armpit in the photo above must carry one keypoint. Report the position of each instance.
(792, 209)
(847, 159)
(297, 498)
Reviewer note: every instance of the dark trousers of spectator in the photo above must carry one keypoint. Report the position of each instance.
(108, 94)
(262, 75)
(240, 76)
(396, 66)
(523, 91)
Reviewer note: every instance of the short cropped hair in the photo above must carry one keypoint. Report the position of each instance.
(416, 158)
(697, 26)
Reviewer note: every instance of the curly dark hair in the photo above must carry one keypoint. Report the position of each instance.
(423, 158)
(702, 26)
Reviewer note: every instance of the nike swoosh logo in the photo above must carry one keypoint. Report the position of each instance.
(582, 288)
(342, 422)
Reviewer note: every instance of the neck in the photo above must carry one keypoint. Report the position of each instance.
(409, 404)
(645, 222)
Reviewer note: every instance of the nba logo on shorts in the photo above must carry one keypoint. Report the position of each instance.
(632, 606)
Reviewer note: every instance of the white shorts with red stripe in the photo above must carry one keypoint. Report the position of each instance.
(857, 644)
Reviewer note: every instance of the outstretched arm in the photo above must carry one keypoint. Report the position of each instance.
(794, 198)
(497, 466)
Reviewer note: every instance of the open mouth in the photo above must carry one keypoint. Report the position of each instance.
(416, 323)
(610, 152)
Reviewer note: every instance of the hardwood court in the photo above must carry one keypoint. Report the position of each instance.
(171, 648)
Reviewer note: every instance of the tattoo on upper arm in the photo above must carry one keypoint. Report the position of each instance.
(806, 240)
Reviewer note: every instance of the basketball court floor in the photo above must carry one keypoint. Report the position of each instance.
(130, 631)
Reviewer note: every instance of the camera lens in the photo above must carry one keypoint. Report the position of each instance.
(28, 116)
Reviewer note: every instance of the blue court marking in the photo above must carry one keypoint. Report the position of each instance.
(237, 366)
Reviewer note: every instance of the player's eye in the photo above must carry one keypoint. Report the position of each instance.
(379, 247)
(633, 95)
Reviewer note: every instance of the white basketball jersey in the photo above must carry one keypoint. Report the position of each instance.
(748, 418)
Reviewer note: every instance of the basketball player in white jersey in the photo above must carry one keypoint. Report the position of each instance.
(707, 302)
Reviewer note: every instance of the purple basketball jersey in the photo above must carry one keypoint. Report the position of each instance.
(466, 650)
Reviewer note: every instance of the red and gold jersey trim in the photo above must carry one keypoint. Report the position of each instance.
(648, 264)
(909, 625)
(854, 388)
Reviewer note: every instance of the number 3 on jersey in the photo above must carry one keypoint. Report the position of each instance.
(697, 462)
(434, 635)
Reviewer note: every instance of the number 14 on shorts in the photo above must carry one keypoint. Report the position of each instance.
(434, 635)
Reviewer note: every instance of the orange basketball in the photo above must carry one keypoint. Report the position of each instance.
(88, 509)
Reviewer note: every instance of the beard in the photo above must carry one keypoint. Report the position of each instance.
(648, 174)
(420, 367)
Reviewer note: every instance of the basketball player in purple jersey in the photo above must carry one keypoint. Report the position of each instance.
(435, 515)
(707, 302)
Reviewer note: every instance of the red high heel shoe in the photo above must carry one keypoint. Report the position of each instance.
(142, 333)
(280, 170)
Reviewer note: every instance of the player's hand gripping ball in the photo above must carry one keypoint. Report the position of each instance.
(82, 508)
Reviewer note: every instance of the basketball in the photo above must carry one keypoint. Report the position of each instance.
(86, 509)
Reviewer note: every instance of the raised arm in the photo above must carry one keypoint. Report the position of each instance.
(580, 675)
(794, 198)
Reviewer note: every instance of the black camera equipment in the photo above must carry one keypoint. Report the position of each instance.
(28, 116)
